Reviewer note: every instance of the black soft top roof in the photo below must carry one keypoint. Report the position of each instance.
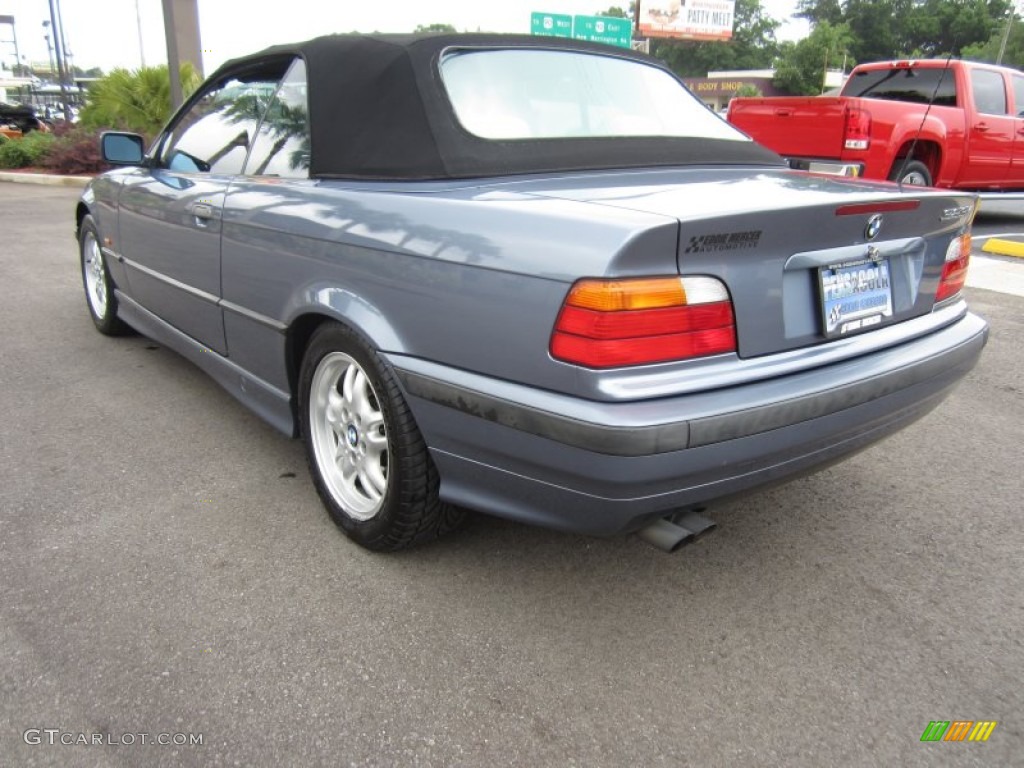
(378, 110)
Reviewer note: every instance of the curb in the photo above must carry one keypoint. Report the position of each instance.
(1003, 247)
(46, 179)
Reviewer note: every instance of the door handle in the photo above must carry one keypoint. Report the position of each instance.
(202, 211)
(783, 112)
(981, 127)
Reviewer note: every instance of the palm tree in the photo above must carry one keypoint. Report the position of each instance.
(135, 100)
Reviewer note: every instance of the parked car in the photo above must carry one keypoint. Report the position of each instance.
(526, 276)
(18, 119)
(953, 124)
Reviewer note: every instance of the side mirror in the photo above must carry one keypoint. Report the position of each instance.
(122, 148)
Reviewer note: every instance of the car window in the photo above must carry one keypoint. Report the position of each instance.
(989, 92)
(214, 135)
(911, 84)
(281, 147)
(542, 94)
(1018, 94)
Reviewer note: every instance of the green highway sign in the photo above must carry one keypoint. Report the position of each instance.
(551, 24)
(603, 29)
(596, 29)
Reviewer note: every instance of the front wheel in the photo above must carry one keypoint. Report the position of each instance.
(366, 455)
(913, 173)
(99, 288)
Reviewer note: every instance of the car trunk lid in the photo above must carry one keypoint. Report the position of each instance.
(806, 259)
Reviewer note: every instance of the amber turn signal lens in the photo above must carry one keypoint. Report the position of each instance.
(617, 295)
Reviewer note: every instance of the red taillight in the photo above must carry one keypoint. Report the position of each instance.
(857, 134)
(616, 323)
(954, 271)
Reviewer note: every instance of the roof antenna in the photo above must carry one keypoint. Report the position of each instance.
(913, 145)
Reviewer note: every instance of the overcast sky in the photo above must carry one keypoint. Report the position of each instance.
(104, 33)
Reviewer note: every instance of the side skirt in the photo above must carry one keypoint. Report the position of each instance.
(268, 402)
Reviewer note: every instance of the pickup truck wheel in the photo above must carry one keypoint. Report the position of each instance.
(99, 288)
(366, 455)
(914, 173)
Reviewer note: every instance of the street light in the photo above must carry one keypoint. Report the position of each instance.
(49, 47)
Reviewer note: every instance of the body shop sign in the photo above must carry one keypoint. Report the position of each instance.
(687, 19)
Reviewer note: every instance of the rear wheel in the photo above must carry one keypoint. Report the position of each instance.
(913, 172)
(366, 455)
(99, 288)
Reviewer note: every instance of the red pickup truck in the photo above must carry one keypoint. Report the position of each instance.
(882, 127)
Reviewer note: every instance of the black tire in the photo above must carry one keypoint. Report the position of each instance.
(99, 287)
(408, 510)
(913, 172)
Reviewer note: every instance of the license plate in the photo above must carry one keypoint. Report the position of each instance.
(855, 296)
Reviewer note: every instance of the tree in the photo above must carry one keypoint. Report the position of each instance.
(874, 26)
(888, 29)
(988, 51)
(135, 100)
(435, 28)
(616, 12)
(800, 69)
(817, 11)
(753, 45)
(944, 27)
(77, 71)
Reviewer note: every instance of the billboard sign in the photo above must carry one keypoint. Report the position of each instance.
(688, 19)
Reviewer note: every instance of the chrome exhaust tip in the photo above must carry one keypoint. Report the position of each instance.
(676, 530)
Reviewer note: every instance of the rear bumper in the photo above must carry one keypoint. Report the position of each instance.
(605, 468)
(829, 167)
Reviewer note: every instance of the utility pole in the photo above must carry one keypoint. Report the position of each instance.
(181, 27)
(49, 47)
(17, 53)
(138, 23)
(61, 70)
(1006, 33)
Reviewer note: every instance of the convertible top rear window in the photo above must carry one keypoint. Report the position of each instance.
(543, 94)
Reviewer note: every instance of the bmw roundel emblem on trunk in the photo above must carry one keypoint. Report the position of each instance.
(874, 226)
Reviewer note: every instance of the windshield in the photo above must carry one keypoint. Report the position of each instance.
(540, 94)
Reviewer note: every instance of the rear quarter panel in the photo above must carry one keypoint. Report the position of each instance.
(471, 278)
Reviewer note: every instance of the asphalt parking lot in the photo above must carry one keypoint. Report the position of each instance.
(166, 569)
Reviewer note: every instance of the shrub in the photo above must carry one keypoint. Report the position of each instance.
(27, 151)
(135, 100)
(75, 150)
